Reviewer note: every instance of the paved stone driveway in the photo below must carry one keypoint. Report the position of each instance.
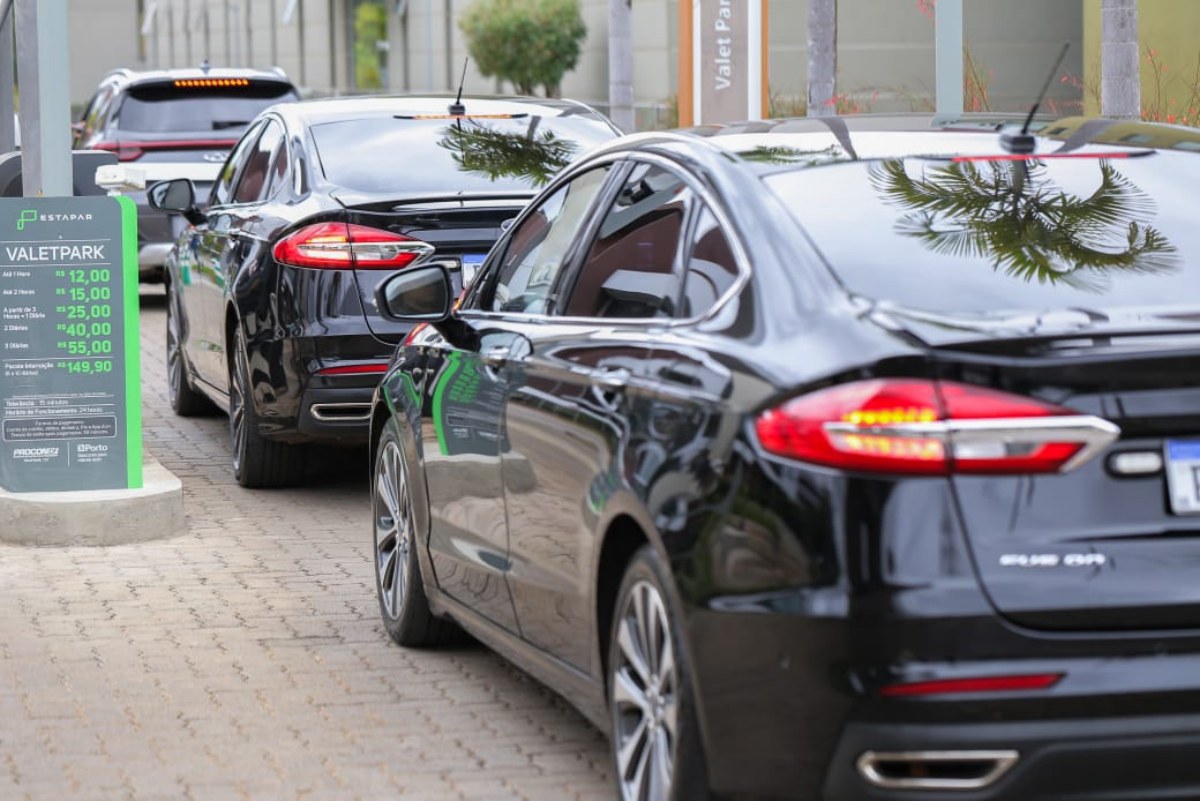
(245, 659)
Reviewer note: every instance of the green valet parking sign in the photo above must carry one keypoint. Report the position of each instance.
(70, 405)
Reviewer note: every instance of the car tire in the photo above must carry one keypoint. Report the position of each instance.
(258, 462)
(403, 604)
(657, 749)
(185, 401)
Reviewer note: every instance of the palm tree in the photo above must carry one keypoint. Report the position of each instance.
(1011, 213)
(492, 153)
(1120, 72)
(822, 57)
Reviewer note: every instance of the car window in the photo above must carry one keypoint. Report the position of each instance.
(94, 117)
(252, 183)
(167, 108)
(1008, 240)
(278, 172)
(540, 244)
(222, 191)
(633, 266)
(488, 153)
(711, 266)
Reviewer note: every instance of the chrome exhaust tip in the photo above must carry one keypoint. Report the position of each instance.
(935, 770)
(341, 412)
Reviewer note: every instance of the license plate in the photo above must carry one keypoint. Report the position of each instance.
(1183, 476)
(471, 262)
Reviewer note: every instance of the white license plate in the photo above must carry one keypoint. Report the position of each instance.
(1183, 476)
(471, 262)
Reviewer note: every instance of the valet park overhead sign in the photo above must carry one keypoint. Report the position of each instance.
(70, 410)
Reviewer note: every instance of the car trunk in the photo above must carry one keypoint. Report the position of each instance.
(1104, 546)
(461, 231)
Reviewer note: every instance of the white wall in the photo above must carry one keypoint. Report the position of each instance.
(885, 47)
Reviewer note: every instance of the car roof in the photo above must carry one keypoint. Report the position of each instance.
(793, 143)
(314, 112)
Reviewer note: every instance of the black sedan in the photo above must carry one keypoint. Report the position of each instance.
(270, 294)
(823, 464)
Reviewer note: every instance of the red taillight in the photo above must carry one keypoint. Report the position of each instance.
(131, 151)
(930, 428)
(355, 369)
(979, 684)
(125, 151)
(339, 246)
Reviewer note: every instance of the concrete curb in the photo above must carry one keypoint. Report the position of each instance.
(96, 517)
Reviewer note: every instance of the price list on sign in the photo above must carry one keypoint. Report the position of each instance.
(70, 410)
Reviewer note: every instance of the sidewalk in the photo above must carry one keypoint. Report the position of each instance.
(245, 659)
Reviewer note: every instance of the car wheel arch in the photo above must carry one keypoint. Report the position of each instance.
(624, 537)
(381, 415)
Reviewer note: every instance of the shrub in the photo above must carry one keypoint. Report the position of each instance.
(529, 43)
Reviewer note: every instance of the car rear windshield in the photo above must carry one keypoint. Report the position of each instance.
(994, 235)
(411, 155)
(165, 108)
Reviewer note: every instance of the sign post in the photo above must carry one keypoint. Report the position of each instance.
(727, 74)
(70, 406)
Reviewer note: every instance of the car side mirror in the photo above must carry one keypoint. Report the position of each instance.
(418, 294)
(177, 196)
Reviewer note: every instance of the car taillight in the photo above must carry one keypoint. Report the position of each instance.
(132, 150)
(341, 246)
(978, 684)
(931, 428)
(126, 151)
(368, 368)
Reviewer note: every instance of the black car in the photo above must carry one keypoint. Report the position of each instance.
(823, 463)
(178, 123)
(271, 295)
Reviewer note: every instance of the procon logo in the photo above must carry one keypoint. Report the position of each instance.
(28, 216)
(34, 453)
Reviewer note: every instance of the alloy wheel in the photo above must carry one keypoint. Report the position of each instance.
(393, 528)
(175, 376)
(645, 697)
(238, 392)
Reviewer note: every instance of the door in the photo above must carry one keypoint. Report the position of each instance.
(576, 405)
(201, 281)
(468, 382)
(248, 232)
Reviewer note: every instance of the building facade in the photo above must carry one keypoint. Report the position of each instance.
(330, 47)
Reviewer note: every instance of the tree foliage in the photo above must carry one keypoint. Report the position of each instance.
(529, 43)
(370, 28)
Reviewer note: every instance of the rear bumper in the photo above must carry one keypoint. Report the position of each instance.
(789, 703)
(152, 256)
(1131, 759)
(340, 416)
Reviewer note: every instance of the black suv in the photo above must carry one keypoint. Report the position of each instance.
(178, 123)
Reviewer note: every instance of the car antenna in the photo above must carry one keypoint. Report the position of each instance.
(457, 109)
(1021, 142)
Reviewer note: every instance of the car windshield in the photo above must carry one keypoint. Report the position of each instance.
(997, 236)
(483, 153)
(166, 109)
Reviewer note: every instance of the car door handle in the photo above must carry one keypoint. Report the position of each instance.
(611, 380)
(495, 357)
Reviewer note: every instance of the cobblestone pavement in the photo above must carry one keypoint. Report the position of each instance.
(245, 659)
